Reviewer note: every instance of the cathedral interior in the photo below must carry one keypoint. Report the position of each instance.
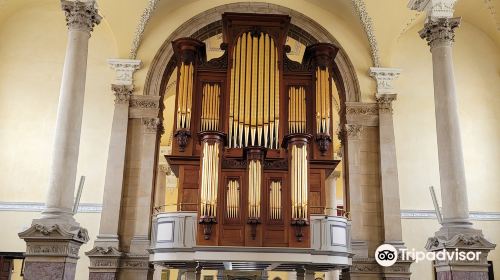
(259, 140)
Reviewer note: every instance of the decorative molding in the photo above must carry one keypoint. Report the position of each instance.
(122, 93)
(366, 21)
(143, 21)
(81, 16)
(434, 8)
(104, 251)
(440, 32)
(353, 131)
(38, 207)
(125, 69)
(144, 106)
(385, 102)
(362, 113)
(384, 78)
(151, 125)
(467, 240)
(431, 214)
(44, 233)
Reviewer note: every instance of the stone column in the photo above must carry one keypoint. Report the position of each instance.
(53, 241)
(105, 256)
(456, 231)
(331, 183)
(388, 168)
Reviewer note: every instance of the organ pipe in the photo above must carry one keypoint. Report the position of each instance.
(254, 92)
(299, 182)
(275, 200)
(233, 199)
(185, 94)
(254, 188)
(209, 179)
(296, 110)
(210, 107)
(322, 100)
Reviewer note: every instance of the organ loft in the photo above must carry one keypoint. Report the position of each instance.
(252, 150)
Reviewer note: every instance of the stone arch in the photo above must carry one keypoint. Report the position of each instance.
(208, 23)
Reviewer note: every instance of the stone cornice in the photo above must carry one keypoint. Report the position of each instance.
(440, 32)
(434, 8)
(125, 69)
(82, 16)
(384, 78)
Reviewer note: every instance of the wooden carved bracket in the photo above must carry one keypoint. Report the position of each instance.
(324, 141)
(207, 222)
(182, 136)
(253, 222)
(299, 224)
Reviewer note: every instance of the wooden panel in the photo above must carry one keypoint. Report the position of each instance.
(232, 230)
(317, 197)
(188, 188)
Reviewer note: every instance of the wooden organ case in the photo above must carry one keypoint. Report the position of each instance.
(252, 134)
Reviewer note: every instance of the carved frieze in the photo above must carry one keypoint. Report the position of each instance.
(385, 102)
(234, 163)
(362, 113)
(219, 63)
(144, 106)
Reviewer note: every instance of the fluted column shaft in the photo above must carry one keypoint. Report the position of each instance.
(80, 17)
(440, 35)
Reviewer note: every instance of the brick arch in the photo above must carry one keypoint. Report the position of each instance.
(208, 23)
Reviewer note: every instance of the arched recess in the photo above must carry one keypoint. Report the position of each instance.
(208, 23)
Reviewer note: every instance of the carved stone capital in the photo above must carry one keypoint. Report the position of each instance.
(81, 16)
(353, 131)
(385, 102)
(440, 32)
(125, 69)
(151, 125)
(122, 93)
(384, 78)
(434, 8)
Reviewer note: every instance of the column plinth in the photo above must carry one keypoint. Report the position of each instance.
(53, 241)
(456, 232)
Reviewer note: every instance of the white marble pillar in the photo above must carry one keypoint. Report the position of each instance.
(331, 185)
(81, 17)
(54, 240)
(456, 232)
(440, 34)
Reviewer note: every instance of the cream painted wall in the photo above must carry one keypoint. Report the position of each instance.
(32, 54)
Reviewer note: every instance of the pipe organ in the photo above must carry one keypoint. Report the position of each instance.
(252, 134)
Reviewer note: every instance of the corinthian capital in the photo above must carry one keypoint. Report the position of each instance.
(81, 15)
(440, 32)
(122, 93)
(385, 102)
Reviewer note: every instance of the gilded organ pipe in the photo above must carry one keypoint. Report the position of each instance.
(297, 109)
(299, 182)
(254, 188)
(323, 96)
(210, 107)
(254, 92)
(209, 179)
(233, 196)
(185, 95)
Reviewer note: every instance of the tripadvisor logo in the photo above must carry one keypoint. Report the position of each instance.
(387, 255)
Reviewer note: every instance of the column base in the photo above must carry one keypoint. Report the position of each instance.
(135, 267)
(461, 240)
(52, 250)
(104, 263)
